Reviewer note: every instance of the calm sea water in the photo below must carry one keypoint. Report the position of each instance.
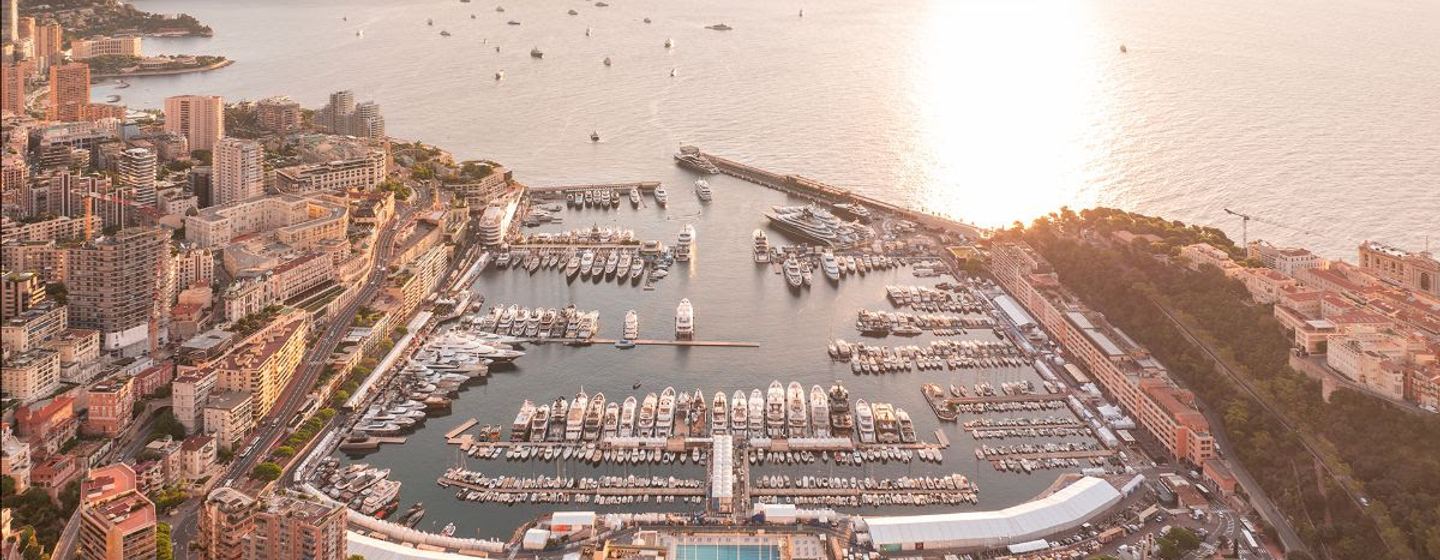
(1319, 115)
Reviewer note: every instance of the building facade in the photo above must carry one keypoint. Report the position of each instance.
(238, 172)
(199, 118)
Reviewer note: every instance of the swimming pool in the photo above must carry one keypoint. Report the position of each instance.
(727, 552)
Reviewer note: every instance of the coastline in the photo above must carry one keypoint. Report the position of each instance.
(170, 72)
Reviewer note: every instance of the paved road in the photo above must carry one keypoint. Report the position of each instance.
(185, 523)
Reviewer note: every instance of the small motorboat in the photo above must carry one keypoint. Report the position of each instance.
(536, 53)
(429, 22)
(444, 33)
(573, 13)
(594, 136)
(607, 61)
(500, 75)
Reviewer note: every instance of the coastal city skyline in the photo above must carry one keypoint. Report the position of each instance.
(711, 282)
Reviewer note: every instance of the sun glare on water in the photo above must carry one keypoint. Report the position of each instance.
(1006, 97)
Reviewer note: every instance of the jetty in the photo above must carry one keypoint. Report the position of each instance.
(644, 186)
(811, 188)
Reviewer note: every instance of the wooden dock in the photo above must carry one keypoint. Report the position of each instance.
(466, 425)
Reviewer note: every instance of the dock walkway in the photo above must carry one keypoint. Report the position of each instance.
(653, 491)
(645, 186)
(811, 188)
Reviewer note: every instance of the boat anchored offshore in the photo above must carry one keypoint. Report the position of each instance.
(762, 247)
(702, 190)
(685, 244)
(661, 197)
(684, 321)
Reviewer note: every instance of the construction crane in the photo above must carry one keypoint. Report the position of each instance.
(1245, 220)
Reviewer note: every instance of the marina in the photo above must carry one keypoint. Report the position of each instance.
(724, 264)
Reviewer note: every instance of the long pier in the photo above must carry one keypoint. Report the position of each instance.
(644, 186)
(1082, 454)
(603, 491)
(807, 187)
(650, 342)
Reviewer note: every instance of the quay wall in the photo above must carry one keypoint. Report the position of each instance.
(805, 186)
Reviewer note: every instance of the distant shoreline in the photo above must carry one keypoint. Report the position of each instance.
(169, 72)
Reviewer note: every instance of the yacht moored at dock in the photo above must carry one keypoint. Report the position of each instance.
(813, 223)
(775, 410)
(739, 414)
(689, 156)
(684, 321)
(795, 412)
(632, 325)
(719, 419)
(627, 417)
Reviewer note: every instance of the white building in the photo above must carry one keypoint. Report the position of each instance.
(238, 171)
(1287, 260)
(1064, 510)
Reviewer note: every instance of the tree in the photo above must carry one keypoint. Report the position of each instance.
(167, 425)
(164, 547)
(58, 292)
(266, 471)
(283, 451)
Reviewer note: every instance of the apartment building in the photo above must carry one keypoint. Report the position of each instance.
(360, 173)
(300, 222)
(111, 406)
(263, 363)
(1285, 260)
(81, 49)
(290, 528)
(117, 521)
(1120, 365)
(199, 118)
(229, 417)
(114, 282)
(188, 394)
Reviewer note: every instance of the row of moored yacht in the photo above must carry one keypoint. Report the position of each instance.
(539, 323)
